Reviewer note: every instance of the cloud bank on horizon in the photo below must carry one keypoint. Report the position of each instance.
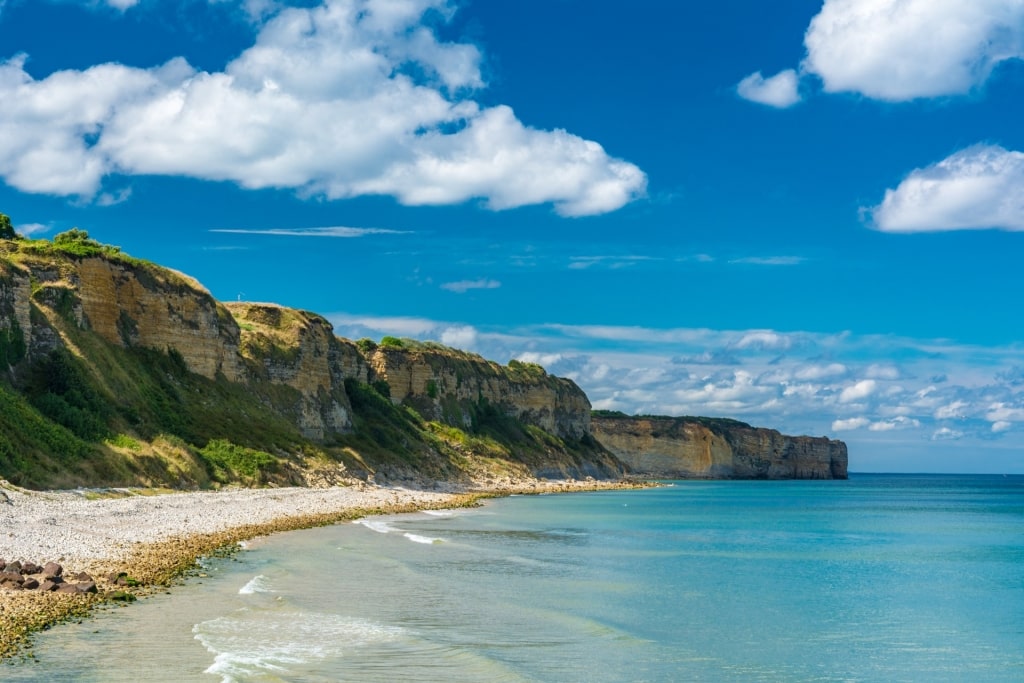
(343, 99)
(904, 50)
(804, 382)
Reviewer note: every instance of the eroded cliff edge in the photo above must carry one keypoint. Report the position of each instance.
(708, 448)
(117, 371)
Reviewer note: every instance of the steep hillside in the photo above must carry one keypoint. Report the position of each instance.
(705, 448)
(115, 371)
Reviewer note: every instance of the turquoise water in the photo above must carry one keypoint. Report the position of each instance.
(879, 578)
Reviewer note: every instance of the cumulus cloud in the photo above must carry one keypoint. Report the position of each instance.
(900, 50)
(976, 188)
(463, 286)
(778, 91)
(858, 391)
(850, 424)
(324, 103)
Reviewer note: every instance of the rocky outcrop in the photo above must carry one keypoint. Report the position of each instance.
(696, 448)
(454, 387)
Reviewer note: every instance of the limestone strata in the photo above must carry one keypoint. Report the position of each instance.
(452, 387)
(299, 349)
(681, 448)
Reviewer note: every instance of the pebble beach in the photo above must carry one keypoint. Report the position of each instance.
(148, 538)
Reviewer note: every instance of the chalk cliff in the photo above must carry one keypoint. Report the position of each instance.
(703, 448)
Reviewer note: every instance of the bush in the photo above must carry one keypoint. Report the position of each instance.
(392, 343)
(229, 461)
(6, 229)
(366, 345)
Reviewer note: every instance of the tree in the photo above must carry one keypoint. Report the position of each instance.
(6, 229)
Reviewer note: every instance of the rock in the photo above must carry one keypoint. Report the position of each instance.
(3, 564)
(48, 585)
(30, 584)
(117, 577)
(82, 576)
(710, 448)
(68, 588)
(87, 587)
(14, 567)
(52, 569)
(31, 568)
(11, 577)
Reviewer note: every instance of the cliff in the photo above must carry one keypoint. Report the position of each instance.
(118, 371)
(704, 448)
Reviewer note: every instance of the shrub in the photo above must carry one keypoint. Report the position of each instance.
(392, 343)
(366, 345)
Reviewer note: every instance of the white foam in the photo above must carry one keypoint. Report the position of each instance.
(258, 584)
(252, 644)
(377, 525)
(440, 513)
(415, 538)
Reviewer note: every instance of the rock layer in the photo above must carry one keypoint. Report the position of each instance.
(691, 448)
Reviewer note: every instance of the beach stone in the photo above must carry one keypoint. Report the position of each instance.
(87, 587)
(14, 567)
(68, 588)
(11, 577)
(47, 586)
(118, 578)
(3, 564)
(30, 584)
(30, 568)
(82, 576)
(52, 569)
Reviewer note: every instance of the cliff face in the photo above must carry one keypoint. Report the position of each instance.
(681, 448)
(98, 343)
(452, 387)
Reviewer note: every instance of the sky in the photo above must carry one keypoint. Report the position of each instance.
(805, 215)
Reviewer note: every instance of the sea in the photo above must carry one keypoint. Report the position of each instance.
(877, 578)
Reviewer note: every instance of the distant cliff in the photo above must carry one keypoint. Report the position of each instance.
(705, 448)
(118, 371)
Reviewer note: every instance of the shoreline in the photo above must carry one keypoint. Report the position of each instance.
(156, 537)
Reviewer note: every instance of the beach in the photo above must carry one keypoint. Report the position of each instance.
(148, 538)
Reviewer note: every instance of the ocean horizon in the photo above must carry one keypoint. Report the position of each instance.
(882, 577)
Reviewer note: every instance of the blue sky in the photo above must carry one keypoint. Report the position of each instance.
(805, 215)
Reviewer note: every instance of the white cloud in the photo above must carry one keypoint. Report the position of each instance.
(858, 391)
(945, 433)
(1001, 412)
(460, 336)
(764, 339)
(463, 286)
(813, 372)
(778, 91)
(900, 50)
(850, 424)
(951, 411)
(770, 260)
(976, 188)
(900, 422)
(29, 229)
(1001, 426)
(333, 231)
(322, 103)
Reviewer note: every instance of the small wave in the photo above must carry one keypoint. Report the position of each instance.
(258, 584)
(253, 644)
(440, 513)
(427, 540)
(376, 525)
